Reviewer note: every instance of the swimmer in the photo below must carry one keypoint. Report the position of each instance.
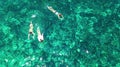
(31, 31)
(59, 15)
(40, 36)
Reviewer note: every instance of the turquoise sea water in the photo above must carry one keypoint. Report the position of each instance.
(88, 36)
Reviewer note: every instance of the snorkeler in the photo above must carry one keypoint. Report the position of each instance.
(60, 16)
(40, 36)
(31, 31)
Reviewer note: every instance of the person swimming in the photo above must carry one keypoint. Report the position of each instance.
(59, 15)
(31, 31)
(40, 36)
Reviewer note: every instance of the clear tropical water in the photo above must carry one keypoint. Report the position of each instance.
(89, 35)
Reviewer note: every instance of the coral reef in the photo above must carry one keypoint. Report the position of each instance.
(89, 35)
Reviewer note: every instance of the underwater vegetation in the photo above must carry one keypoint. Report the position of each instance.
(73, 33)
